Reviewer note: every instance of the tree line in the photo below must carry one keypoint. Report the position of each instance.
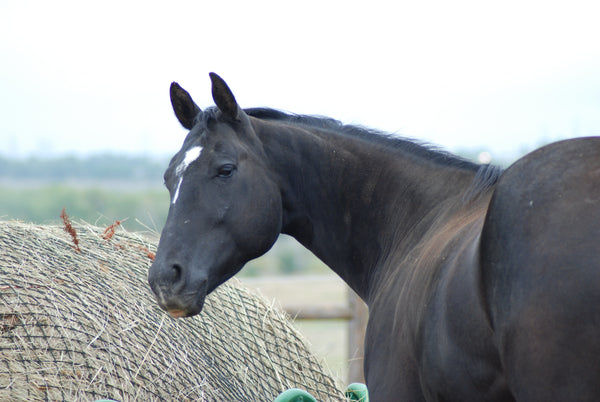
(94, 167)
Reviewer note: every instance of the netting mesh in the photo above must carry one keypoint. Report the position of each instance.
(83, 325)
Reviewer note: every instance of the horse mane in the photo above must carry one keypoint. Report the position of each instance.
(486, 175)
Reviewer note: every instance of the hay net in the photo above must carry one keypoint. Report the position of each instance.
(83, 325)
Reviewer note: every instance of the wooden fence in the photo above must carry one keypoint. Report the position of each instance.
(353, 310)
(356, 313)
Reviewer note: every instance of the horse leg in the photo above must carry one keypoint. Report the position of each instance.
(389, 372)
(392, 384)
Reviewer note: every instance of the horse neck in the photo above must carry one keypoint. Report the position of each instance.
(352, 203)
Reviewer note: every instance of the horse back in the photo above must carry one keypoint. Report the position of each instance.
(541, 272)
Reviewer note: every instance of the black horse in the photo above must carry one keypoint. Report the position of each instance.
(482, 284)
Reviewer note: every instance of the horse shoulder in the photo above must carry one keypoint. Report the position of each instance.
(442, 344)
(459, 359)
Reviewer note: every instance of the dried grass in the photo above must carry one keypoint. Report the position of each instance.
(83, 325)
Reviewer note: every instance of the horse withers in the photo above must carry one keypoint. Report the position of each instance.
(482, 284)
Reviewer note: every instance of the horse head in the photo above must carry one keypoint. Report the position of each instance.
(225, 206)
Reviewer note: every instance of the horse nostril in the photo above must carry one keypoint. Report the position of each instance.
(177, 273)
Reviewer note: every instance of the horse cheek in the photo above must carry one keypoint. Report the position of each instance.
(259, 226)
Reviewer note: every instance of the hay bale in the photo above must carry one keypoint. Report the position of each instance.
(83, 325)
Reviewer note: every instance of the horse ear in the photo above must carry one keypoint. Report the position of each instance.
(183, 105)
(224, 98)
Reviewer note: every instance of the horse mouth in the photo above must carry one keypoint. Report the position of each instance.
(181, 306)
(181, 310)
(177, 313)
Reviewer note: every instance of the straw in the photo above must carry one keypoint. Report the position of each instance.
(84, 325)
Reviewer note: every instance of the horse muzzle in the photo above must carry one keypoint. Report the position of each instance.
(176, 294)
(181, 305)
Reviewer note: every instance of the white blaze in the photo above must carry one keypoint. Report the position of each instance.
(176, 195)
(190, 156)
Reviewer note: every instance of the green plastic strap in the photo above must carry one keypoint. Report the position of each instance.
(295, 395)
(357, 392)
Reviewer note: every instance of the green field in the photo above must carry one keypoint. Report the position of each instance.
(139, 208)
(97, 189)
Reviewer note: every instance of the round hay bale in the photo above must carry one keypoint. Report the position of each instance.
(83, 325)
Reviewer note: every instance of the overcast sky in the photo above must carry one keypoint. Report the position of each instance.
(87, 77)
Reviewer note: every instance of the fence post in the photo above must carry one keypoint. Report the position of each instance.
(356, 337)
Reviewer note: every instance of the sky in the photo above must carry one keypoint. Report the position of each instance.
(81, 77)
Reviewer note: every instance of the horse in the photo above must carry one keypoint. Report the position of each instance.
(482, 283)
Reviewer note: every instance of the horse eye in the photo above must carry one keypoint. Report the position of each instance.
(226, 170)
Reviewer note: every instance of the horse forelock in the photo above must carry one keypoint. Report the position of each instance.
(205, 117)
